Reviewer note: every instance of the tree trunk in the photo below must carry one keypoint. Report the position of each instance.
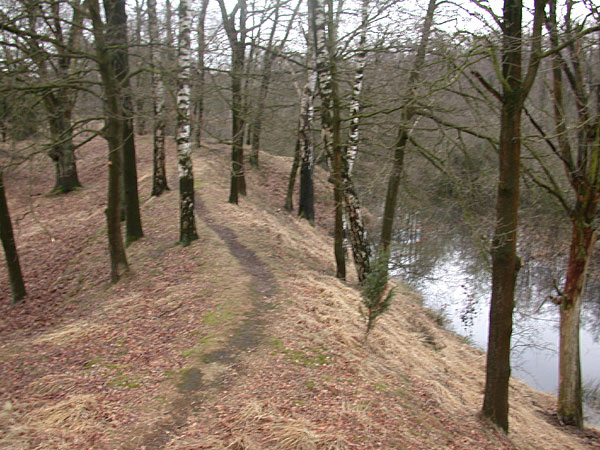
(361, 251)
(584, 177)
(505, 263)
(62, 151)
(237, 40)
(159, 173)
(406, 123)
(184, 147)
(199, 104)
(116, 37)
(114, 135)
(391, 197)
(306, 204)
(269, 58)
(238, 181)
(570, 409)
(306, 142)
(289, 198)
(256, 127)
(15, 277)
(505, 266)
(140, 116)
(325, 55)
(353, 223)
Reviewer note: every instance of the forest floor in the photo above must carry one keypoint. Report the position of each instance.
(243, 340)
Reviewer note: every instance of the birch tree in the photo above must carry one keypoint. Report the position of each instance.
(187, 230)
(306, 146)
(159, 173)
(200, 82)
(353, 223)
(326, 67)
(305, 141)
(141, 81)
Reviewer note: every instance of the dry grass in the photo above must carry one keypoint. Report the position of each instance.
(75, 413)
(118, 352)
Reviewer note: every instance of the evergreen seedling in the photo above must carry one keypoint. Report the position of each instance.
(376, 296)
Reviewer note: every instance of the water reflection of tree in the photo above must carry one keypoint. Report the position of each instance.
(425, 241)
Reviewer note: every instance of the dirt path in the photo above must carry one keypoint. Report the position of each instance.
(194, 387)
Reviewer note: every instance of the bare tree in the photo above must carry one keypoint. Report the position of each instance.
(159, 173)
(237, 41)
(114, 134)
(55, 52)
(117, 42)
(15, 276)
(271, 51)
(505, 263)
(200, 82)
(326, 65)
(187, 229)
(408, 117)
(580, 162)
(353, 223)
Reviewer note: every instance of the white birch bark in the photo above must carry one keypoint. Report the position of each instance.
(361, 59)
(353, 222)
(184, 146)
(159, 176)
(325, 48)
(306, 203)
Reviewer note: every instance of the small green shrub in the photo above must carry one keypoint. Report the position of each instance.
(376, 295)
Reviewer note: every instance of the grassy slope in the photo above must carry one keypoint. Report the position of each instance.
(243, 340)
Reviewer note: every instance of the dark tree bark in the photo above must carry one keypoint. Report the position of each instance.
(199, 103)
(583, 173)
(270, 54)
(255, 127)
(159, 172)
(237, 40)
(289, 198)
(116, 39)
(505, 263)
(141, 79)
(187, 229)
(306, 142)
(113, 132)
(15, 277)
(406, 124)
(59, 100)
(62, 151)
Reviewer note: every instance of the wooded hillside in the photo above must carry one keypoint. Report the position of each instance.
(244, 339)
(200, 156)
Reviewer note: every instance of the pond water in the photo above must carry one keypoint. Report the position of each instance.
(452, 287)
